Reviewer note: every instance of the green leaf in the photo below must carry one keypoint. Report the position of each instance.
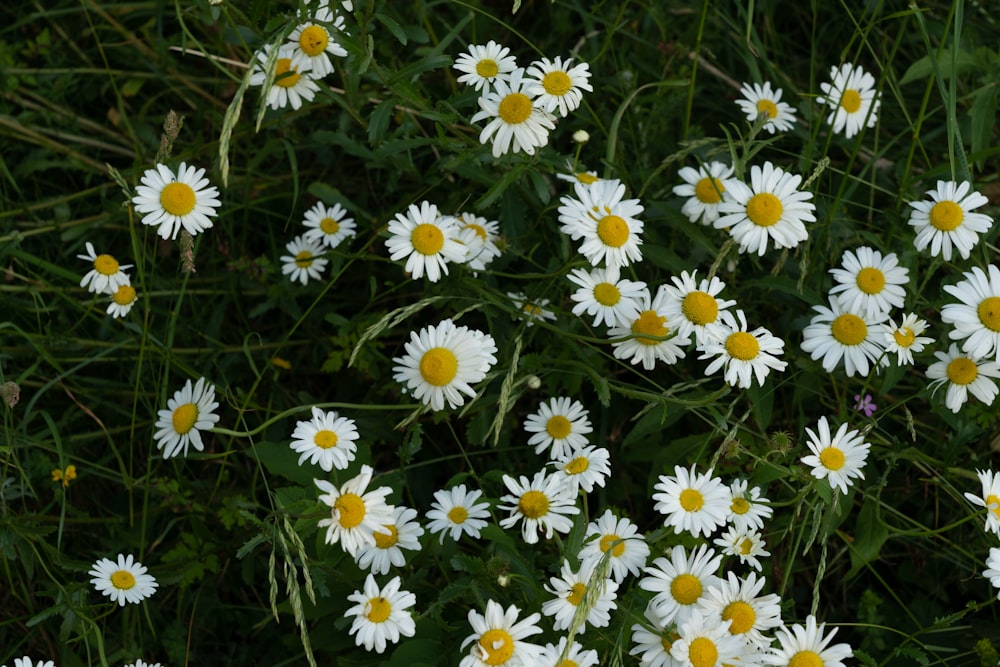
(378, 122)
(869, 536)
(983, 115)
(924, 67)
(393, 27)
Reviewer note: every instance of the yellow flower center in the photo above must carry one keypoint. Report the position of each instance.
(708, 190)
(577, 466)
(616, 550)
(313, 40)
(870, 280)
(613, 231)
(515, 108)
(329, 226)
(478, 229)
(497, 645)
(533, 504)
(741, 616)
(962, 370)
(806, 659)
(607, 294)
(768, 107)
(764, 209)
(904, 336)
(990, 500)
(304, 259)
(325, 439)
(702, 652)
(123, 580)
(184, 417)
(692, 500)
(568, 663)
(651, 324)
(746, 546)
(124, 295)
(458, 514)
(557, 83)
(946, 216)
(832, 458)
(378, 610)
(743, 346)
(576, 594)
(177, 198)
(106, 265)
(849, 329)
(350, 509)
(487, 68)
(850, 101)
(989, 313)
(685, 588)
(427, 239)
(700, 307)
(586, 178)
(558, 427)
(667, 642)
(740, 506)
(386, 540)
(438, 366)
(284, 76)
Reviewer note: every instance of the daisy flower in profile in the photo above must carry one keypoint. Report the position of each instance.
(739, 602)
(531, 310)
(292, 81)
(963, 374)
(772, 209)
(569, 590)
(124, 582)
(585, 177)
(704, 188)
(560, 425)
(303, 261)
(746, 544)
(188, 413)
(583, 468)
(905, 340)
(990, 499)
(702, 642)
(356, 514)
(743, 354)
(314, 42)
(171, 203)
(328, 224)
(606, 296)
(543, 503)
(693, 306)
(992, 571)
(381, 614)
(106, 276)
(575, 655)
(426, 239)
(498, 638)
(622, 538)
(838, 457)
(807, 645)
(869, 284)
(680, 582)
(122, 300)
(515, 123)
(852, 98)
(836, 334)
(480, 237)
(558, 85)
(948, 220)
(696, 503)
(761, 100)
(484, 65)
(977, 316)
(404, 533)
(653, 643)
(748, 508)
(457, 511)
(27, 661)
(442, 363)
(653, 336)
(604, 222)
(326, 440)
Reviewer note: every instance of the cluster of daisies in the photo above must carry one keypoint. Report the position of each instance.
(326, 227)
(108, 277)
(989, 500)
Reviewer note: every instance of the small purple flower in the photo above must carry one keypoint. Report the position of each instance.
(865, 404)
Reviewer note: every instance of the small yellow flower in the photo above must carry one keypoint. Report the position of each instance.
(282, 363)
(64, 476)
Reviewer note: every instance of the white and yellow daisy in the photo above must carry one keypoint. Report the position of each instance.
(122, 300)
(869, 283)
(977, 317)
(653, 641)
(852, 97)
(356, 514)
(292, 82)
(807, 646)
(575, 655)
(948, 220)
(426, 239)
(498, 638)
(989, 499)
(653, 336)
(742, 354)
(404, 533)
(188, 413)
(541, 504)
(569, 590)
(622, 538)
(515, 122)
(442, 363)
(141, 663)
(704, 188)
(694, 305)
(480, 237)
(605, 295)
(125, 581)
(381, 615)
(313, 40)
(839, 457)
(326, 440)
(558, 85)
(584, 467)
(762, 100)
(604, 222)
(304, 260)
(771, 208)
(744, 543)
(835, 333)
(748, 508)
(328, 224)
(531, 310)
(992, 571)
(483, 65)
(963, 374)
(171, 203)
(27, 661)
(705, 642)
(106, 276)
(585, 177)
(680, 582)
(905, 340)
(457, 511)
(560, 425)
(696, 503)
(750, 614)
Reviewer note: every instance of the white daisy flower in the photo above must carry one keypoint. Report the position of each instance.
(316, 44)
(381, 615)
(515, 124)
(531, 310)
(992, 571)
(748, 508)
(569, 590)
(653, 643)
(27, 661)
(480, 237)
(963, 374)
(852, 98)
(328, 224)
(125, 581)
(760, 99)
(869, 284)
(426, 239)
(171, 202)
(543, 503)
(404, 533)
(585, 177)
(738, 601)
(771, 209)
(742, 354)
(905, 340)
(575, 655)
(558, 84)
(560, 425)
(694, 503)
(839, 457)
(653, 335)
(303, 261)
(498, 638)
(443, 362)
(745, 543)
(326, 440)
(483, 66)
(990, 499)
(694, 305)
(142, 663)
(106, 276)
(457, 511)
(122, 300)
(292, 82)
(947, 220)
(680, 582)
(622, 538)
(704, 188)
(356, 514)
(834, 334)
(703, 642)
(977, 317)
(583, 468)
(604, 222)
(188, 413)
(605, 295)
(807, 645)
